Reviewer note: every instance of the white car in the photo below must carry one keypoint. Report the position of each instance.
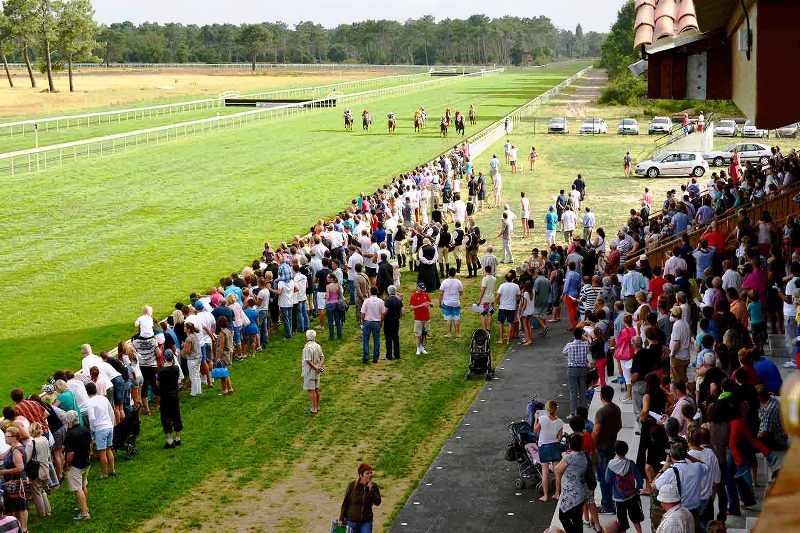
(673, 164)
(594, 126)
(558, 125)
(660, 125)
(747, 152)
(788, 131)
(750, 130)
(628, 126)
(725, 128)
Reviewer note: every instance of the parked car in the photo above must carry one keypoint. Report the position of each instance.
(628, 126)
(747, 152)
(788, 131)
(725, 128)
(660, 125)
(673, 164)
(594, 126)
(750, 130)
(558, 125)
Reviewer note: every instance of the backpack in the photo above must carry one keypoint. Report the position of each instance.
(625, 485)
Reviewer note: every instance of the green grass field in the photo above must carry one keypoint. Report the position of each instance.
(95, 240)
(9, 143)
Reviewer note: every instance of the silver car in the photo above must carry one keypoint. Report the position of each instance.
(750, 130)
(628, 126)
(673, 164)
(747, 152)
(558, 125)
(787, 131)
(725, 128)
(660, 125)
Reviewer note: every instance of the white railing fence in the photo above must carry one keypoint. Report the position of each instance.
(39, 159)
(259, 66)
(45, 124)
(492, 133)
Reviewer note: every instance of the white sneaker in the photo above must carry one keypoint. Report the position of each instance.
(789, 364)
(424, 350)
(418, 350)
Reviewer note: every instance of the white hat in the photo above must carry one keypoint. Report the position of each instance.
(311, 335)
(669, 493)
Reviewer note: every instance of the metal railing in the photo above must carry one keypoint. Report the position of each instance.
(38, 159)
(506, 124)
(38, 125)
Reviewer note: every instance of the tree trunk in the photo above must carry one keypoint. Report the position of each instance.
(49, 62)
(69, 70)
(253, 63)
(8, 74)
(108, 55)
(27, 59)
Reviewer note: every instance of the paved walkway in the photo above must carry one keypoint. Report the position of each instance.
(470, 486)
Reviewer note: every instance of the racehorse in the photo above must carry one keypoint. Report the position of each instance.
(447, 115)
(366, 120)
(472, 116)
(443, 125)
(459, 123)
(392, 122)
(348, 122)
(418, 123)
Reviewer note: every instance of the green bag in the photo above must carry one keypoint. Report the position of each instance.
(338, 527)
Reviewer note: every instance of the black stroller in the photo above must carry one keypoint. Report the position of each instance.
(480, 355)
(126, 432)
(530, 471)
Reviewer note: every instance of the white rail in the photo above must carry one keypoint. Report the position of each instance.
(37, 159)
(259, 66)
(28, 126)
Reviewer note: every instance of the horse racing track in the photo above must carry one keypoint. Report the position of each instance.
(86, 244)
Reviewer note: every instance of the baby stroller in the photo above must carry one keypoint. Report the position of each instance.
(480, 355)
(125, 434)
(530, 470)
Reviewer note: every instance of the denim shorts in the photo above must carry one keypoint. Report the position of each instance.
(237, 335)
(119, 390)
(103, 439)
(450, 312)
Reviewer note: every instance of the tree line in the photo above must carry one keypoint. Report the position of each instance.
(53, 33)
(422, 41)
(50, 35)
(617, 54)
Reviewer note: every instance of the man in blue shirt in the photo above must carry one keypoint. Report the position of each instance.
(572, 283)
(680, 221)
(551, 225)
(632, 282)
(703, 257)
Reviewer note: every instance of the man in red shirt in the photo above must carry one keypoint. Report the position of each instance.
(29, 409)
(715, 238)
(656, 286)
(421, 304)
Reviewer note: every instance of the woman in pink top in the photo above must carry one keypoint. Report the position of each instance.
(735, 170)
(333, 306)
(624, 352)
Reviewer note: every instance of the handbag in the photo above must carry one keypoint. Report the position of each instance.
(14, 489)
(32, 466)
(220, 370)
(531, 223)
(338, 527)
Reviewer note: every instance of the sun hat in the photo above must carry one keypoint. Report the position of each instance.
(669, 493)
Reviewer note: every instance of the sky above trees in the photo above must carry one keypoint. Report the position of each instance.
(593, 15)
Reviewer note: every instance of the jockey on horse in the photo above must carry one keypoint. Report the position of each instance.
(366, 120)
(348, 120)
(459, 123)
(392, 121)
(418, 120)
(472, 115)
(443, 125)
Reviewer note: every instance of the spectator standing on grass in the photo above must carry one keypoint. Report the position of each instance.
(512, 158)
(78, 449)
(450, 293)
(505, 237)
(589, 222)
(191, 348)
(40, 451)
(334, 305)
(507, 301)
(391, 323)
(372, 311)
(525, 214)
(13, 476)
(626, 164)
(359, 498)
(532, 157)
(550, 225)
(568, 223)
(168, 378)
(313, 364)
(607, 424)
(300, 299)
(420, 303)
(101, 422)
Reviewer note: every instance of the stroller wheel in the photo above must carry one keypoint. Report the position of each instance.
(519, 483)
